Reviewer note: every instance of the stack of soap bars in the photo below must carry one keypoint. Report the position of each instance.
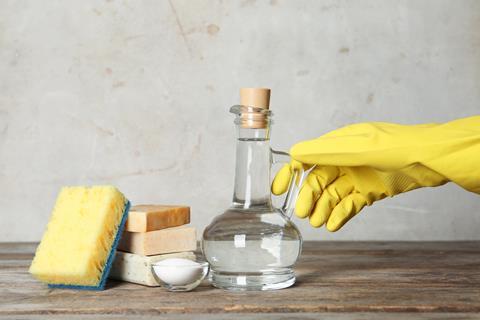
(152, 233)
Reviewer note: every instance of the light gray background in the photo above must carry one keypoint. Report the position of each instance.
(136, 94)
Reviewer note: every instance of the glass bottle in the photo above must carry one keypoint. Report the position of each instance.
(253, 245)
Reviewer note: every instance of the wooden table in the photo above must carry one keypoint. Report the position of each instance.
(337, 280)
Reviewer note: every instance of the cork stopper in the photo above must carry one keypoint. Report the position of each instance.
(258, 98)
(255, 97)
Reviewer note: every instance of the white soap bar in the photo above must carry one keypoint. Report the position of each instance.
(177, 271)
(138, 268)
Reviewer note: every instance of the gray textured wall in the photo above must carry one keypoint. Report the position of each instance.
(136, 93)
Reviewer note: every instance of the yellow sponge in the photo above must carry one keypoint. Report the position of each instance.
(78, 246)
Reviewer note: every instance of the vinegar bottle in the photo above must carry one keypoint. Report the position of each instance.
(253, 245)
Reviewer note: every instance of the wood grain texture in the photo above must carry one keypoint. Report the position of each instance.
(344, 280)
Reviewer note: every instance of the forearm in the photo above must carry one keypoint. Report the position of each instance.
(450, 149)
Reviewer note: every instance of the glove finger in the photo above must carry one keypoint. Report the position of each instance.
(345, 210)
(314, 185)
(321, 177)
(282, 180)
(305, 201)
(329, 199)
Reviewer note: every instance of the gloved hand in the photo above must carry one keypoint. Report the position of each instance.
(363, 163)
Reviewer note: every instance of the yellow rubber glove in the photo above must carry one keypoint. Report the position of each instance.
(362, 163)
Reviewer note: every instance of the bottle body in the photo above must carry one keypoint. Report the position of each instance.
(252, 249)
(252, 245)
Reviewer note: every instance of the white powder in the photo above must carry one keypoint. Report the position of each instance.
(177, 271)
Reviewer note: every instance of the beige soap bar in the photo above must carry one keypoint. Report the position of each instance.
(168, 240)
(138, 269)
(143, 218)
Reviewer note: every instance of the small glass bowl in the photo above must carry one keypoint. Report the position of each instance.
(178, 277)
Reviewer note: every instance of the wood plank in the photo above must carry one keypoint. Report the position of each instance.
(335, 278)
(267, 316)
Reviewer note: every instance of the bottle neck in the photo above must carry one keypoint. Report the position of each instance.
(252, 169)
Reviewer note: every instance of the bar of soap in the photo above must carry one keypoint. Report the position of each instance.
(138, 269)
(177, 239)
(143, 218)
